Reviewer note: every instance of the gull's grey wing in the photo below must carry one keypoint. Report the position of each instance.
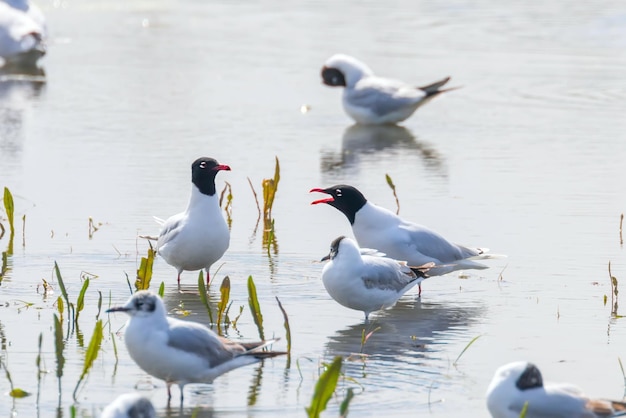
(436, 246)
(384, 96)
(199, 340)
(170, 230)
(386, 274)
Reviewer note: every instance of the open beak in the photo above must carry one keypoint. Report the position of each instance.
(324, 200)
(326, 258)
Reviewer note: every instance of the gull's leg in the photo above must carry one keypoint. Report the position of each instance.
(181, 386)
(419, 293)
(169, 394)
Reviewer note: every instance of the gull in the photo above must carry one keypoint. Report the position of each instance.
(199, 236)
(129, 405)
(373, 100)
(377, 227)
(519, 383)
(364, 281)
(22, 33)
(178, 351)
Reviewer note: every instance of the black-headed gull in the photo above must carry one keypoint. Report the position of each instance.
(373, 100)
(377, 227)
(181, 352)
(519, 383)
(22, 33)
(129, 405)
(362, 281)
(199, 236)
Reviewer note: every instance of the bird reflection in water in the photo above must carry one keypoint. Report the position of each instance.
(359, 140)
(16, 96)
(407, 334)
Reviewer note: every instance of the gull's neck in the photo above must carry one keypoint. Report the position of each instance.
(202, 202)
(371, 215)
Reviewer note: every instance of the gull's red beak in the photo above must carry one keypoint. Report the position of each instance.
(324, 200)
(221, 167)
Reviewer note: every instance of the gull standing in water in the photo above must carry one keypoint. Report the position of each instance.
(367, 282)
(178, 351)
(377, 227)
(373, 100)
(22, 33)
(199, 236)
(520, 383)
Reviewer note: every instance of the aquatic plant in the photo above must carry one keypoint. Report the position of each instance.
(93, 228)
(80, 302)
(287, 328)
(472, 341)
(255, 307)
(162, 290)
(70, 307)
(15, 392)
(10, 210)
(228, 207)
(270, 186)
(393, 189)
(524, 410)
(203, 296)
(223, 303)
(256, 200)
(91, 354)
(324, 388)
(144, 273)
(614, 293)
(365, 337)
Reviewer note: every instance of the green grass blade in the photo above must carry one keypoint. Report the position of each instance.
(255, 307)
(91, 354)
(162, 289)
(99, 304)
(223, 303)
(203, 296)
(63, 291)
(524, 410)
(286, 323)
(343, 409)
(466, 347)
(80, 302)
(393, 188)
(144, 273)
(10, 210)
(59, 345)
(324, 388)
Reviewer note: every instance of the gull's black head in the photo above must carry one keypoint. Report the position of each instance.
(203, 172)
(333, 77)
(343, 197)
(334, 249)
(530, 378)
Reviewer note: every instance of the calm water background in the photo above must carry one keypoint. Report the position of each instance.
(526, 159)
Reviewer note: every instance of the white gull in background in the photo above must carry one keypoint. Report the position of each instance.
(519, 383)
(23, 33)
(377, 227)
(364, 281)
(181, 352)
(129, 405)
(373, 100)
(199, 236)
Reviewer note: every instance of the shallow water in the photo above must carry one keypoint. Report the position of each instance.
(525, 159)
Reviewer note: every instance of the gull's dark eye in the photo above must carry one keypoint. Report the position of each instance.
(203, 164)
(338, 192)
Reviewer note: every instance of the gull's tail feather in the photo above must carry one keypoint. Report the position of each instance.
(422, 271)
(435, 89)
(256, 349)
